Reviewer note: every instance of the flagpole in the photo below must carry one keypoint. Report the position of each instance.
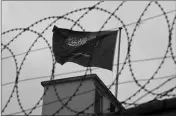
(118, 58)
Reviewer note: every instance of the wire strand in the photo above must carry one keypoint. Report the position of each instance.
(135, 61)
(129, 24)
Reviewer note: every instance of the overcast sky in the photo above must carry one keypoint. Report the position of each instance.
(150, 41)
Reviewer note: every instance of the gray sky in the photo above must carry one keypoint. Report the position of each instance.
(150, 41)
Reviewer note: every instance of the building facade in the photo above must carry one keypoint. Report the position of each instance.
(79, 95)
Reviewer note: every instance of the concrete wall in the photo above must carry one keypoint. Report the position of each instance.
(106, 105)
(78, 103)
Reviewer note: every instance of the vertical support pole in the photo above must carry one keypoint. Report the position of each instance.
(118, 59)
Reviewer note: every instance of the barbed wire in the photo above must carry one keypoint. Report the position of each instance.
(79, 71)
(170, 36)
(130, 66)
(142, 87)
(85, 92)
(29, 51)
(129, 24)
(13, 90)
(157, 87)
(127, 59)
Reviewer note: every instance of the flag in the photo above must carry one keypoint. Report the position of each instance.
(93, 49)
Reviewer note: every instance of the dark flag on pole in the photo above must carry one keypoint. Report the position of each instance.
(94, 49)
